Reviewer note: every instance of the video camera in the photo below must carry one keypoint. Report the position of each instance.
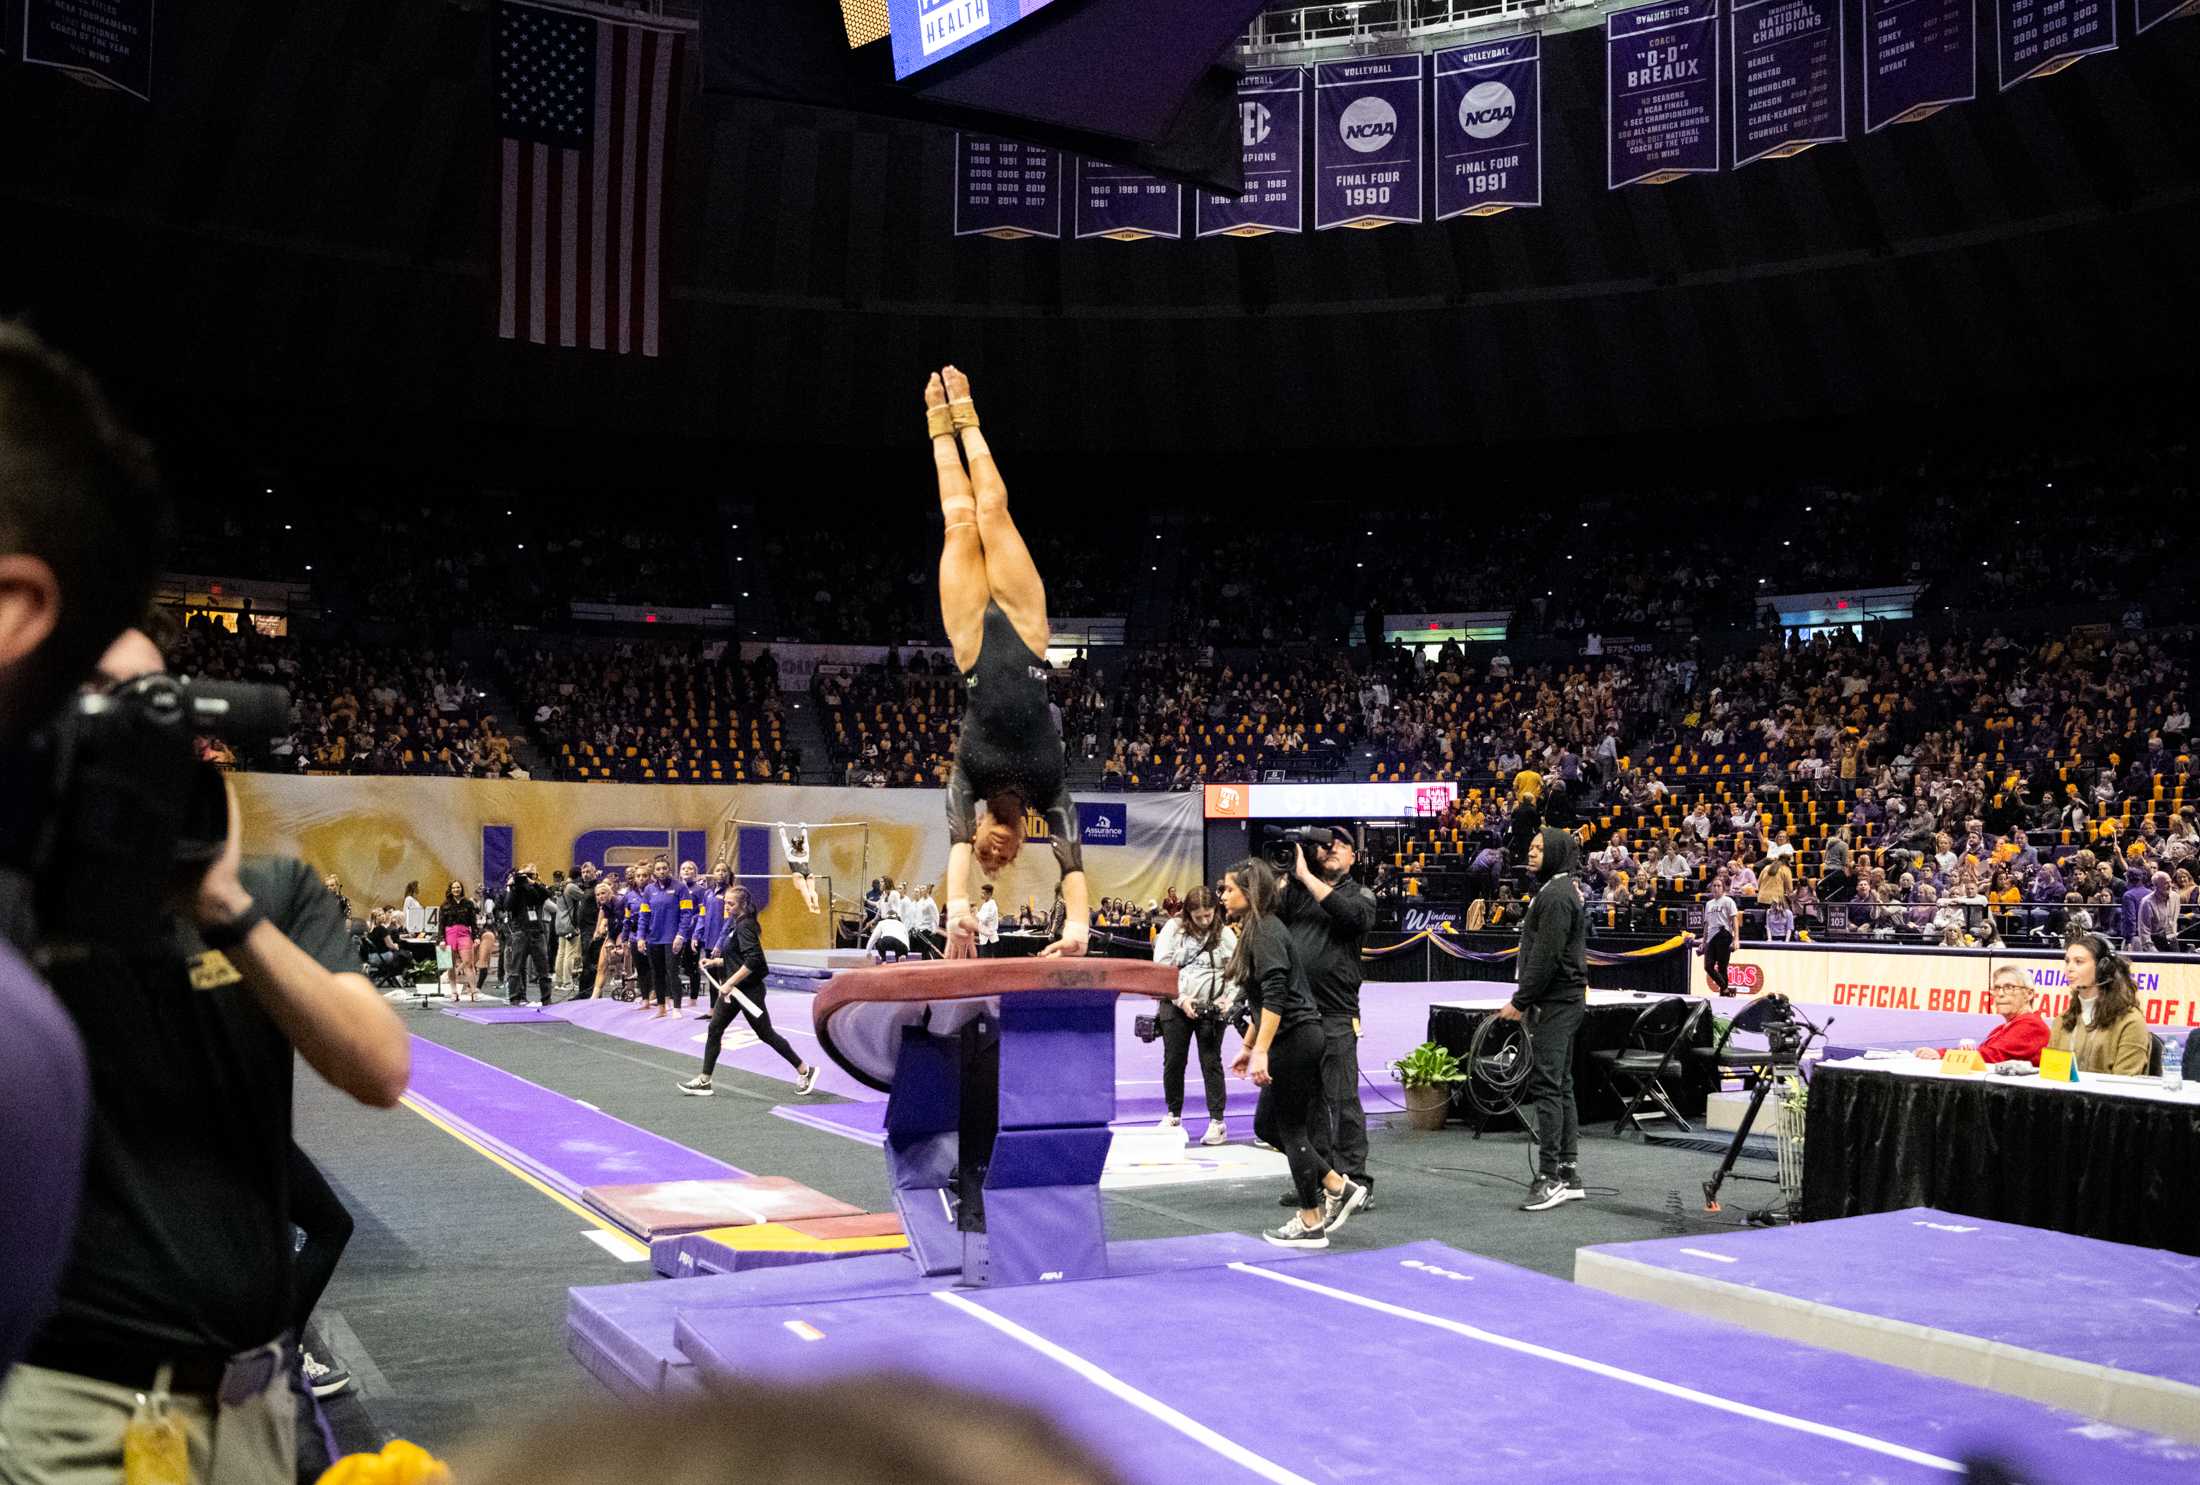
(111, 795)
(1278, 842)
(1773, 1017)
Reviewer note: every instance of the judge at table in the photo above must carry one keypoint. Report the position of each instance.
(2023, 1030)
(2102, 1029)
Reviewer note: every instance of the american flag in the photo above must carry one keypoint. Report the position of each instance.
(586, 112)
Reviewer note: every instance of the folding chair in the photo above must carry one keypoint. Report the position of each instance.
(1651, 1054)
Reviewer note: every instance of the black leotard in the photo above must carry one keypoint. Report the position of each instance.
(1009, 743)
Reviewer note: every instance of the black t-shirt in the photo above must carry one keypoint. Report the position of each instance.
(1274, 978)
(183, 1241)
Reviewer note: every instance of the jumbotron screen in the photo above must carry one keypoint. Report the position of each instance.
(928, 31)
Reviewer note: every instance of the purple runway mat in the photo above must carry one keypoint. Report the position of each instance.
(684, 1034)
(1930, 1291)
(1426, 1356)
(563, 1143)
(500, 1015)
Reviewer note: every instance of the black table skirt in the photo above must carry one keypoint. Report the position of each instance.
(2122, 1169)
(1605, 1026)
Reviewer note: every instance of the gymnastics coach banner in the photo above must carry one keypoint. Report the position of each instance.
(2153, 12)
(1005, 188)
(1367, 142)
(1919, 57)
(1790, 87)
(109, 42)
(1272, 136)
(2037, 38)
(1661, 69)
(1489, 127)
(1127, 205)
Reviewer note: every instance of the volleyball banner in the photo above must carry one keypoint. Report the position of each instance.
(1272, 136)
(1125, 205)
(1661, 73)
(1489, 127)
(1919, 57)
(2152, 13)
(107, 42)
(2037, 38)
(1005, 188)
(1367, 142)
(1790, 85)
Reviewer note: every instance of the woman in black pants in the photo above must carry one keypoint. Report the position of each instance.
(1283, 1055)
(742, 992)
(1197, 944)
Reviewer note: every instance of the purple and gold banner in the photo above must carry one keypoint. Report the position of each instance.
(2037, 38)
(1790, 87)
(2151, 13)
(105, 42)
(1115, 201)
(1489, 127)
(1272, 134)
(1367, 142)
(1661, 72)
(1005, 188)
(1919, 57)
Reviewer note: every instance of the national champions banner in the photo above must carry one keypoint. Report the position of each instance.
(1272, 143)
(1790, 81)
(1919, 57)
(1126, 205)
(2036, 38)
(1005, 188)
(1661, 84)
(1367, 142)
(1924, 980)
(105, 42)
(1488, 127)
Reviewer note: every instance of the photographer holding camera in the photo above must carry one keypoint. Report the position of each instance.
(527, 935)
(1329, 915)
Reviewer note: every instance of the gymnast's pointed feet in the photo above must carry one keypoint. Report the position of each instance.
(938, 422)
(958, 399)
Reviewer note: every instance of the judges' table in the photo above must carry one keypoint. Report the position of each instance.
(1612, 1015)
(2105, 1157)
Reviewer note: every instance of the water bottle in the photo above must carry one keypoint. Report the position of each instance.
(2173, 1064)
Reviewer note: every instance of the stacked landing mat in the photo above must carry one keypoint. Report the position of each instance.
(735, 1250)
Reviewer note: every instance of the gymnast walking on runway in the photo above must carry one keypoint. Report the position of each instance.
(1009, 757)
(733, 935)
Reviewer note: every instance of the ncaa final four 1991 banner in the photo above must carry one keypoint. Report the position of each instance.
(1271, 137)
(1005, 188)
(1919, 57)
(106, 42)
(1127, 205)
(1661, 85)
(1489, 127)
(1367, 142)
(1790, 82)
(2036, 38)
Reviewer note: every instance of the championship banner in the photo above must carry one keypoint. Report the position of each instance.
(2152, 13)
(1367, 142)
(1489, 127)
(108, 43)
(1005, 188)
(2039, 38)
(1661, 74)
(1125, 205)
(1925, 980)
(1272, 135)
(1790, 86)
(1919, 57)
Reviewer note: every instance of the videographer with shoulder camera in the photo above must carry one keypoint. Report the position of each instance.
(526, 935)
(1553, 997)
(1329, 916)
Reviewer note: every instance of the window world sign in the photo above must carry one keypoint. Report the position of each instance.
(928, 31)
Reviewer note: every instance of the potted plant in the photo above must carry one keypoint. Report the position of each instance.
(1427, 1073)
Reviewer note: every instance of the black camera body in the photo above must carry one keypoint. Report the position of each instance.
(1278, 842)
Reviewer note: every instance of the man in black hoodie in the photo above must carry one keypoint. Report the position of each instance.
(1553, 995)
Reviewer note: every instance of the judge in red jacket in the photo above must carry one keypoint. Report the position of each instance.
(2022, 1033)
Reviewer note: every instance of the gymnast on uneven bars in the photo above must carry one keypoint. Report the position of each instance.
(1009, 756)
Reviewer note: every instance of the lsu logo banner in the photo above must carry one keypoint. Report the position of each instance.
(1489, 127)
(1367, 142)
(1103, 824)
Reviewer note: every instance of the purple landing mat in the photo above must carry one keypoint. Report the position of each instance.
(499, 1015)
(563, 1143)
(1931, 1291)
(1427, 1356)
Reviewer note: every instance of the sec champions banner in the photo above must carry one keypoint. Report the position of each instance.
(1367, 142)
(1919, 57)
(1007, 189)
(1661, 75)
(1272, 138)
(1790, 83)
(1489, 127)
(1126, 205)
(2037, 38)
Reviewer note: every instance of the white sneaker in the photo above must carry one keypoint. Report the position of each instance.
(1218, 1133)
(1296, 1234)
(806, 1080)
(698, 1087)
(1169, 1121)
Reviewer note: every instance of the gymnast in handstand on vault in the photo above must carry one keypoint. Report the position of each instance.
(1008, 759)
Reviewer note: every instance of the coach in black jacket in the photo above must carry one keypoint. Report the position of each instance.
(1329, 915)
(1553, 994)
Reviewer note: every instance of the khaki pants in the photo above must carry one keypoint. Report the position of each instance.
(568, 968)
(57, 1428)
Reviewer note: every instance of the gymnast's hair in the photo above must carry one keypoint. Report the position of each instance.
(1257, 880)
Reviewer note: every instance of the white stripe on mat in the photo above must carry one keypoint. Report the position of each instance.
(1107, 1381)
(1615, 1373)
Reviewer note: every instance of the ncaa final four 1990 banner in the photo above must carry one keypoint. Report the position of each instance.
(108, 42)
(1661, 84)
(2035, 38)
(1115, 201)
(1790, 82)
(1367, 142)
(1489, 127)
(1271, 137)
(1005, 188)
(1919, 57)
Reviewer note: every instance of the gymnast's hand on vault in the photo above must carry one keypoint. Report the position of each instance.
(962, 935)
(1071, 945)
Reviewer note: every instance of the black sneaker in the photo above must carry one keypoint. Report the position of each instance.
(1289, 1199)
(1569, 1176)
(324, 1378)
(1338, 1206)
(1547, 1192)
(1368, 1203)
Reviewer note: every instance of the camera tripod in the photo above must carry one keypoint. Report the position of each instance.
(1788, 1036)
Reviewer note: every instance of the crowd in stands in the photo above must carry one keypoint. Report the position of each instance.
(1184, 717)
(636, 713)
(893, 725)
